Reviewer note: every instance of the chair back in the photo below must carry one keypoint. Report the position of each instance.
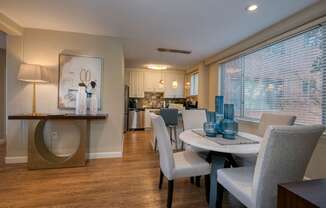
(170, 116)
(193, 119)
(164, 145)
(283, 157)
(268, 119)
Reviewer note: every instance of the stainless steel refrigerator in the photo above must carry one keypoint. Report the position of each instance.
(125, 128)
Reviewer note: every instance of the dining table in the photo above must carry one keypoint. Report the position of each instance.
(219, 152)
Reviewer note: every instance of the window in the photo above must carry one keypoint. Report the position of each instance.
(194, 84)
(284, 77)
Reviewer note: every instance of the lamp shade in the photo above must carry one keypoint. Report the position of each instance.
(32, 73)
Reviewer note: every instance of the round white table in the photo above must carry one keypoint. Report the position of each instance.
(219, 153)
(193, 139)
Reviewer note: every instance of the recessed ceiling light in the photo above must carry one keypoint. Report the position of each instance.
(252, 8)
(157, 66)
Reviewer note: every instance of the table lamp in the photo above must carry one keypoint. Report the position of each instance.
(34, 74)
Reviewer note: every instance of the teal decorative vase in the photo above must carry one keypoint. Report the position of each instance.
(219, 102)
(209, 128)
(229, 125)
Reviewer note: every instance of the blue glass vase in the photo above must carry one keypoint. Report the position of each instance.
(219, 102)
(229, 125)
(209, 128)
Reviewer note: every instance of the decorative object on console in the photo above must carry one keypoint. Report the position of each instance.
(74, 70)
(93, 109)
(81, 100)
(229, 126)
(34, 74)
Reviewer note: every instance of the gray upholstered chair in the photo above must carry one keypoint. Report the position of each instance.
(176, 165)
(266, 120)
(283, 157)
(170, 117)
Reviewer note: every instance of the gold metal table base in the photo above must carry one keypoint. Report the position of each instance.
(39, 156)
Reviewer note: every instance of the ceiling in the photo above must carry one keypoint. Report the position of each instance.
(203, 26)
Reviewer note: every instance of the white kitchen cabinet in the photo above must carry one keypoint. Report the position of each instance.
(141, 81)
(152, 81)
(136, 84)
(174, 84)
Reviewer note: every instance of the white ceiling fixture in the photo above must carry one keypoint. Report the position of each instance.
(157, 66)
(252, 8)
(205, 27)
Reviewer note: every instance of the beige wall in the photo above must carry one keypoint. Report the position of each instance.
(43, 47)
(213, 78)
(2, 92)
(203, 86)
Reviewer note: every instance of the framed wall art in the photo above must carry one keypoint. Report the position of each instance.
(76, 69)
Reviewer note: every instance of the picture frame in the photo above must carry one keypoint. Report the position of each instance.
(70, 68)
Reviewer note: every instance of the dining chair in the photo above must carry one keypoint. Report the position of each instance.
(283, 157)
(176, 165)
(266, 120)
(194, 119)
(170, 117)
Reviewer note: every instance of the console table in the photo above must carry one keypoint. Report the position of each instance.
(40, 157)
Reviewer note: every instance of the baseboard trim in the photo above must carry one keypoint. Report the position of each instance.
(91, 156)
(102, 155)
(15, 160)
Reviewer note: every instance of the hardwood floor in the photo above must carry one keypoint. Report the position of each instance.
(131, 181)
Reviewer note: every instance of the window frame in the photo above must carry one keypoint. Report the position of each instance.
(241, 56)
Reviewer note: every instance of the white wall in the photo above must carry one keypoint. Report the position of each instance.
(43, 47)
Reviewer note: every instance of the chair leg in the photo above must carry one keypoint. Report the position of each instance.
(192, 180)
(198, 181)
(175, 137)
(207, 186)
(155, 145)
(219, 195)
(170, 130)
(170, 193)
(161, 180)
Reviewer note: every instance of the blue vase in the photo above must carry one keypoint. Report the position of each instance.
(209, 128)
(229, 126)
(219, 102)
(210, 116)
(230, 129)
(229, 111)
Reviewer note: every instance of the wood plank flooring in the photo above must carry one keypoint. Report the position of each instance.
(131, 181)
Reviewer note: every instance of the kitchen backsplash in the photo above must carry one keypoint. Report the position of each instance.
(156, 100)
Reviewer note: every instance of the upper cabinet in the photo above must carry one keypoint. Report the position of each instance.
(152, 81)
(141, 80)
(136, 84)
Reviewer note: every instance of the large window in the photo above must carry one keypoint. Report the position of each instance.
(194, 84)
(284, 77)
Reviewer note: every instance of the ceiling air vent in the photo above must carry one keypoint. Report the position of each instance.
(169, 50)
